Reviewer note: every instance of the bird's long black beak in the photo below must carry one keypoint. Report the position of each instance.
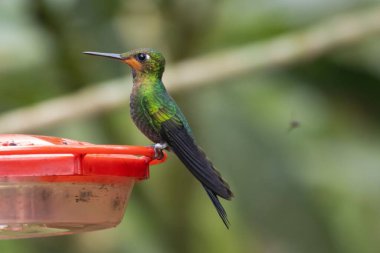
(108, 55)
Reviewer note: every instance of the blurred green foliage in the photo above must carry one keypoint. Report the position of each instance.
(314, 188)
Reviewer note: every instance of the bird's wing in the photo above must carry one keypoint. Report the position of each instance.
(158, 109)
(174, 129)
(183, 144)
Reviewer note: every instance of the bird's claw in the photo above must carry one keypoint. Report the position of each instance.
(158, 153)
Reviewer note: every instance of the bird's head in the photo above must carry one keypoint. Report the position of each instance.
(142, 61)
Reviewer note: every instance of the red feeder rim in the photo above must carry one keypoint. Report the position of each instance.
(31, 155)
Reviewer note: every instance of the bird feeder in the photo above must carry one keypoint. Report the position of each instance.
(54, 186)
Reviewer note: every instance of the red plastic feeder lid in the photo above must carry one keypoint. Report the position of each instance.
(30, 155)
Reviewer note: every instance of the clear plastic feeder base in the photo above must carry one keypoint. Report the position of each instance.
(61, 186)
(33, 209)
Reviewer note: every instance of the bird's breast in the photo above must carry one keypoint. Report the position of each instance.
(141, 119)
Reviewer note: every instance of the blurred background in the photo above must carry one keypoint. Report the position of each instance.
(297, 138)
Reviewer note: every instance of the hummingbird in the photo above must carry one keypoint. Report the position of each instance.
(160, 119)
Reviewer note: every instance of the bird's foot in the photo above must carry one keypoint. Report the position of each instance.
(158, 147)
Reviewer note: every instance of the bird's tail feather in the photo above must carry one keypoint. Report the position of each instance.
(192, 156)
(219, 208)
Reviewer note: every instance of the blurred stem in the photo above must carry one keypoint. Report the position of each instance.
(287, 49)
(186, 22)
(177, 219)
(70, 71)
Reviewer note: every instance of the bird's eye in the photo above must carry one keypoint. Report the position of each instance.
(142, 57)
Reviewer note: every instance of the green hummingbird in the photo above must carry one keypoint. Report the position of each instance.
(160, 119)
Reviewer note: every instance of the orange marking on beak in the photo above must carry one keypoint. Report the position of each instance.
(135, 64)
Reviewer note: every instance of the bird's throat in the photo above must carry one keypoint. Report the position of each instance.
(146, 79)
